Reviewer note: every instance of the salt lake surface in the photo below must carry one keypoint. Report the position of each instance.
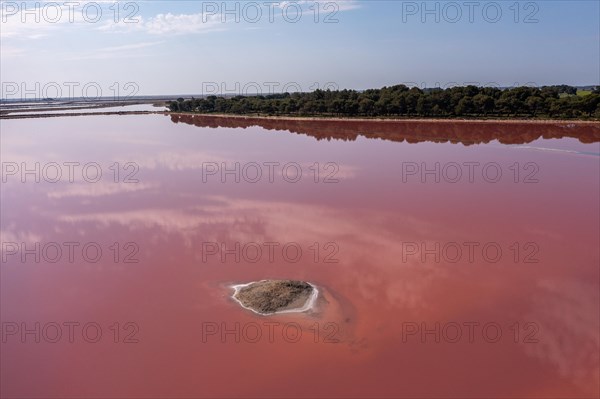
(448, 264)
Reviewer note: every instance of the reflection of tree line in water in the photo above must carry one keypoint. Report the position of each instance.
(410, 131)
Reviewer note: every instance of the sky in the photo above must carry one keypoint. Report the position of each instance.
(118, 49)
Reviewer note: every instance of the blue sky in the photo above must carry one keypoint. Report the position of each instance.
(176, 47)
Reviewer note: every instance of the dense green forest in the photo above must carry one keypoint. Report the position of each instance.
(401, 101)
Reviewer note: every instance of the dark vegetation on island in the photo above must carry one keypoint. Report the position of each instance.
(549, 102)
(272, 296)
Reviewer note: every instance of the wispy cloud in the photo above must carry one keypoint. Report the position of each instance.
(35, 23)
(128, 47)
(42, 19)
(14, 27)
(7, 51)
(116, 51)
(182, 24)
(217, 20)
(324, 5)
(170, 24)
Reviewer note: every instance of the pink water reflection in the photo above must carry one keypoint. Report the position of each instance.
(371, 294)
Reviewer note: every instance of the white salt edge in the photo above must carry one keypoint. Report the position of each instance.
(310, 302)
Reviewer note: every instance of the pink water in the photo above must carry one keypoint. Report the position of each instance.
(542, 292)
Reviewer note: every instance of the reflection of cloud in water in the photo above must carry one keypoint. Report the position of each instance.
(250, 220)
(567, 315)
(369, 250)
(99, 189)
(10, 234)
(553, 150)
(196, 160)
(178, 160)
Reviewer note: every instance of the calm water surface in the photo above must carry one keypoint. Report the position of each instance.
(438, 284)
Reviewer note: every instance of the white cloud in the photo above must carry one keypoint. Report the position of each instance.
(116, 51)
(13, 27)
(182, 24)
(325, 6)
(8, 51)
(128, 47)
(47, 18)
(41, 19)
(170, 24)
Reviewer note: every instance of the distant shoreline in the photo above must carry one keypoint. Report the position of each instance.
(34, 115)
(395, 120)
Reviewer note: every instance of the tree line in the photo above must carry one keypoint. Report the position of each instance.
(402, 101)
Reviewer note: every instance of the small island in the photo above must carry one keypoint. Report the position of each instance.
(276, 296)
